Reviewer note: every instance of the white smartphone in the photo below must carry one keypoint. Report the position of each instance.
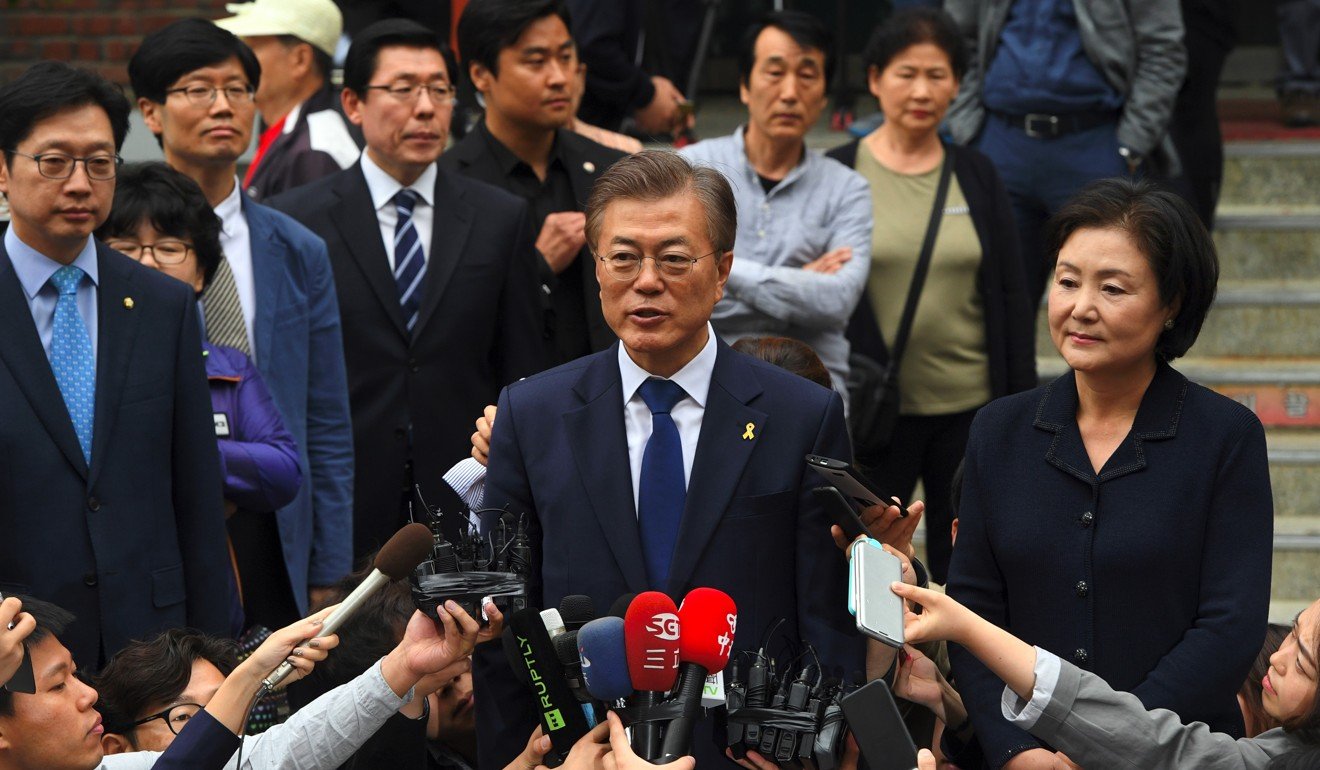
(879, 609)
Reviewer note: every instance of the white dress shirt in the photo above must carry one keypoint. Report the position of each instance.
(687, 414)
(384, 187)
(236, 242)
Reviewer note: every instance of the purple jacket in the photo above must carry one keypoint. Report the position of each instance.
(258, 457)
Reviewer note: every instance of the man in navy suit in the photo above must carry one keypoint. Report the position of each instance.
(273, 297)
(668, 461)
(436, 275)
(110, 494)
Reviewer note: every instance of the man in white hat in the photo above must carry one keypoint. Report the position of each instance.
(304, 134)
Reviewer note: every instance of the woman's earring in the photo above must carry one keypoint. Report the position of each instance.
(1168, 324)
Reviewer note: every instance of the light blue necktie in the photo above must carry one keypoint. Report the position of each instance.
(662, 491)
(71, 357)
(409, 262)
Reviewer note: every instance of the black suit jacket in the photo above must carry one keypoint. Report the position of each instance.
(414, 398)
(135, 543)
(751, 528)
(586, 161)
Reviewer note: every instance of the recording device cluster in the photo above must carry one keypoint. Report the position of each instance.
(474, 567)
(648, 660)
(791, 716)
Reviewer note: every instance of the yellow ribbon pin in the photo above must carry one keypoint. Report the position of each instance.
(128, 302)
(748, 435)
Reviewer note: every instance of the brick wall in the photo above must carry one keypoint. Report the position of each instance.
(99, 35)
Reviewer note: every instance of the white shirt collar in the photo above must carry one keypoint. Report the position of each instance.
(230, 208)
(384, 187)
(694, 377)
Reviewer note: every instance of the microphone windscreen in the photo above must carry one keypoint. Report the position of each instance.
(576, 610)
(514, 654)
(566, 648)
(708, 619)
(554, 625)
(604, 659)
(402, 553)
(620, 606)
(651, 634)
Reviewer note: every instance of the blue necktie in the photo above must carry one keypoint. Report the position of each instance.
(409, 262)
(662, 490)
(71, 357)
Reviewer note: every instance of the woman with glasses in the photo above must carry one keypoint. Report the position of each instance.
(161, 218)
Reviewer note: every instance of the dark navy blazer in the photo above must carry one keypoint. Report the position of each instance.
(1154, 574)
(135, 543)
(751, 528)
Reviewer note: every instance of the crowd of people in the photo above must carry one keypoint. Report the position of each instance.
(650, 342)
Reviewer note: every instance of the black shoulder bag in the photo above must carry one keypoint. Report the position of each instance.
(872, 386)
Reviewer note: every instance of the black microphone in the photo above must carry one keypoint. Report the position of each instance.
(576, 611)
(536, 662)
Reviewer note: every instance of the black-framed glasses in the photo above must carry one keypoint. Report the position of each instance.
(57, 165)
(627, 265)
(442, 94)
(199, 95)
(165, 252)
(176, 717)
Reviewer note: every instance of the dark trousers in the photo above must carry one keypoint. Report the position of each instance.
(1041, 175)
(267, 596)
(1299, 36)
(1194, 126)
(930, 449)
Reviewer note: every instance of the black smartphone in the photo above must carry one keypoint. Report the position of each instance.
(878, 728)
(23, 680)
(849, 481)
(844, 514)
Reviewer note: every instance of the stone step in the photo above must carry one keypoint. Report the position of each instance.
(1268, 242)
(1264, 318)
(1296, 558)
(1282, 172)
(1284, 611)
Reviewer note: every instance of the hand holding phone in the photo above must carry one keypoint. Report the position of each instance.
(879, 610)
(15, 667)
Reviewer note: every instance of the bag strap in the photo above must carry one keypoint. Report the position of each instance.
(923, 263)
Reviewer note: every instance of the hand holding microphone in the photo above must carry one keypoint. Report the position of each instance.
(15, 627)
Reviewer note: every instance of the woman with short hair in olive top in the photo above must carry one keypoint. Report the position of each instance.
(972, 338)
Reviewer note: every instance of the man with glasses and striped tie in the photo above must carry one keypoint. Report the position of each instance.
(272, 297)
(436, 274)
(110, 498)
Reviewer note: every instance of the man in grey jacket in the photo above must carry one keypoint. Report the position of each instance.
(1059, 93)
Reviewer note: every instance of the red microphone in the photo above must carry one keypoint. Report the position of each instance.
(708, 619)
(651, 638)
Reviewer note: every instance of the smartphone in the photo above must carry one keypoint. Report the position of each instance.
(23, 680)
(879, 609)
(850, 482)
(878, 728)
(844, 514)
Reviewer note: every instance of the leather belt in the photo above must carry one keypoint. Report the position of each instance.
(1040, 125)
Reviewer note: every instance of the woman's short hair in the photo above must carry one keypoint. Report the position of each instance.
(913, 26)
(792, 355)
(173, 204)
(1166, 231)
(654, 175)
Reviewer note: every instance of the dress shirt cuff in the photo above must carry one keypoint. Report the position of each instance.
(1025, 714)
(468, 479)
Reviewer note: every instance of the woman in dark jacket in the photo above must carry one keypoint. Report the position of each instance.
(161, 218)
(1121, 516)
(972, 338)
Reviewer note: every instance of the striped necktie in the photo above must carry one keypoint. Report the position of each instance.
(409, 261)
(222, 312)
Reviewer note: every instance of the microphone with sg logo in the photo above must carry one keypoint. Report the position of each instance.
(651, 635)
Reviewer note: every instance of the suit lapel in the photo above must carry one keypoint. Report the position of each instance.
(722, 453)
(20, 348)
(600, 448)
(354, 216)
(268, 272)
(117, 331)
(449, 233)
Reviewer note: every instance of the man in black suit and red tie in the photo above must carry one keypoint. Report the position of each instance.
(436, 277)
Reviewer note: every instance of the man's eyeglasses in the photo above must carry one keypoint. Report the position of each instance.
(442, 94)
(176, 717)
(57, 165)
(164, 252)
(204, 96)
(627, 265)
